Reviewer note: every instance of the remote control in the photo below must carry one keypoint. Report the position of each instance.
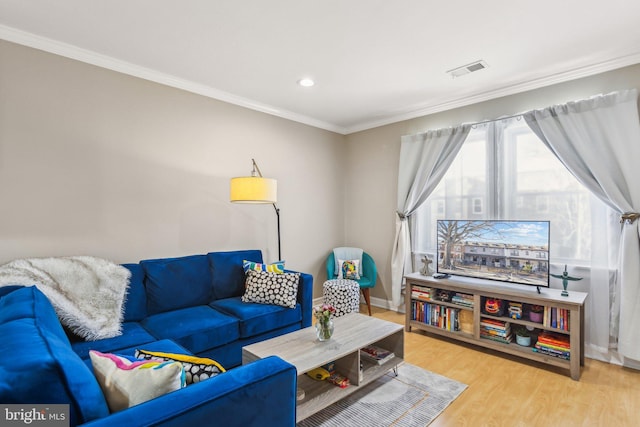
(440, 276)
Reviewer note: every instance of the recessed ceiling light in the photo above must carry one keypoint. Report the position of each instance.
(306, 82)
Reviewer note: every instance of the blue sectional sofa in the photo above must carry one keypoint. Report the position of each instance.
(188, 305)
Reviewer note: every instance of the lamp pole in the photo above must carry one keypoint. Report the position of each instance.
(278, 219)
(256, 169)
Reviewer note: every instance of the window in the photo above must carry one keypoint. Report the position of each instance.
(504, 171)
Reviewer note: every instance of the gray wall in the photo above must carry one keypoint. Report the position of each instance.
(93, 162)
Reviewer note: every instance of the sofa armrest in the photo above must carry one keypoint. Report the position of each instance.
(305, 297)
(260, 393)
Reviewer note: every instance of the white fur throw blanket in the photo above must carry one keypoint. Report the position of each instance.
(87, 292)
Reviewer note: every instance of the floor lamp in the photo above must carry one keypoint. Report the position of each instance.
(256, 189)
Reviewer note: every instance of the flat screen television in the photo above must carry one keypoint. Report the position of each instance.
(507, 251)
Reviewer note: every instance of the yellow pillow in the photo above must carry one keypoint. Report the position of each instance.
(196, 369)
(277, 267)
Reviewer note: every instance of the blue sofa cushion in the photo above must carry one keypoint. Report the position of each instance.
(4, 290)
(23, 302)
(135, 308)
(132, 334)
(195, 328)
(227, 272)
(38, 365)
(166, 346)
(255, 318)
(27, 302)
(174, 283)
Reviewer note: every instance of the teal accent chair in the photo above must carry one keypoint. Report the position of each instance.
(367, 277)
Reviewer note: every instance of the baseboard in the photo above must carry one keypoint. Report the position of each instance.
(381, 303)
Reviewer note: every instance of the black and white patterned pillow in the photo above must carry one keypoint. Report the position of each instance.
(196, 369)
(270, 288)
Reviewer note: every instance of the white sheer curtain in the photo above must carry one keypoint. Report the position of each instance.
(424, 159)
(598, 140)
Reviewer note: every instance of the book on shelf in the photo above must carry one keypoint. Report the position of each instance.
(554, 340)
(496, 330)
(436, 315)
(505, 340)
(376, 354)
(496, 325)
(556, 318)
(496, 333)
(421, 293)
(421, 289)
(425, 296)
(548, 352)
(553, 344)
(464, 300)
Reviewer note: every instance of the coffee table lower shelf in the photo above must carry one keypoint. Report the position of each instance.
(320, 394)
(303, 350)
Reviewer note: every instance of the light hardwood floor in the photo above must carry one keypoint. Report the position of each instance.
(509, 391)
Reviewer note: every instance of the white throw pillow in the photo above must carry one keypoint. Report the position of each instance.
(125, 383)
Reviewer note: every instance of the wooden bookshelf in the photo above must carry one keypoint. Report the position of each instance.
(568, 311)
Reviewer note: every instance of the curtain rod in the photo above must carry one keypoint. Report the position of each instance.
(513, 116)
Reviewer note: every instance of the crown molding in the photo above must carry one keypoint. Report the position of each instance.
(104, 61)
(525, 86)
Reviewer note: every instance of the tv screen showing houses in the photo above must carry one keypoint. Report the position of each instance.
(508, 251)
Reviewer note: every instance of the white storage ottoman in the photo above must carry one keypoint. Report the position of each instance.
(343, 295)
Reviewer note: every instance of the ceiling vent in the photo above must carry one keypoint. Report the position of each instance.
(469, 68)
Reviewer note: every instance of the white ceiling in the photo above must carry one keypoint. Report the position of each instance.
(374, 61)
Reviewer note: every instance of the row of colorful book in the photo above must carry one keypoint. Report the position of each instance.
(430, 294)
(465, 300)
(554, 317)
(553, 344)
(435, 315)
(496, 330)
(421, 292)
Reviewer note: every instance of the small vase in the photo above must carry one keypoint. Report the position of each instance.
(324, 329)
(535, 317)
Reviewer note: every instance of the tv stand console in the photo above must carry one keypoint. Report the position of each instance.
(478, 312)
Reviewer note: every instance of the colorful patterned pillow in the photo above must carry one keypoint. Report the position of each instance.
(196, 369)
(349, 269)
(270, 288)
(276, 267)
(126, 383)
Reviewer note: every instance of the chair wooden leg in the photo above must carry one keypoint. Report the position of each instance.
(367, 298)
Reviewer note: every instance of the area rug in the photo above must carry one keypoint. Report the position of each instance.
(413, 398)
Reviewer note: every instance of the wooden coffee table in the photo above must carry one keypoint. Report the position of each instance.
(303, 350)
